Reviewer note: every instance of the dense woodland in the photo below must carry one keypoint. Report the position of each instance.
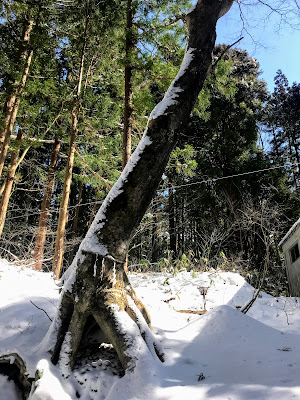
(78, 80)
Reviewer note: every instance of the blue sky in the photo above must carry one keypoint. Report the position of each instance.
(275, 46)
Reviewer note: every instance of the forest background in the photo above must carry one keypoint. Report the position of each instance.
(78, 80)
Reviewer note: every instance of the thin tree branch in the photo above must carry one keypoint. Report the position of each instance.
(93, 172)
(18, 164)
(40, 309)
(162, 26)
(213, 67)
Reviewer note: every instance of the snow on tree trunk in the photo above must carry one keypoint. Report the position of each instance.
(96, 283)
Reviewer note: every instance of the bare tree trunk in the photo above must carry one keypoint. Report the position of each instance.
(10, 180)
(75, 221)
(182, 228)
(154, 238)
(14, 101)
(9, 105)
(63, 212)
(128, 94)
(93, 213)
(8, 109)
(172, 231)
(18, 163)
(38, 253)
(291, 158)
(295, 145)
(128, 87)
(96, 283)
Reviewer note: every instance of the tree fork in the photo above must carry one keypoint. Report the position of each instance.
(97, 295)
(96, 283)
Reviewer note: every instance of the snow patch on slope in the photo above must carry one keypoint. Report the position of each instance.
(8, 389)
(240, 356)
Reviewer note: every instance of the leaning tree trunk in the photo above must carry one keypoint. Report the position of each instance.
(40, 240)
(10, 101)
(96, 283)
(10, 180)
(14, 112)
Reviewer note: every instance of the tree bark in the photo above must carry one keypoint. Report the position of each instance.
(96, 283)
(10, 180)
(154, 237)
(9, 105)
(128, 93)
(295, 145)
(38, 253)
(18, 164)
(172, 231)
(63, 212)
(93, 213)
(75, 220)
(128, 87)
(12, 105)
(291, 158)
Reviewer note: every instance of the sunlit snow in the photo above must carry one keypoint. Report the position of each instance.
(222, 354)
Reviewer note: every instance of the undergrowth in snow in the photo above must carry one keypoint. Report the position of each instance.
(222, 354)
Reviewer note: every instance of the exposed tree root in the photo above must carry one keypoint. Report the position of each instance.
(103, 291)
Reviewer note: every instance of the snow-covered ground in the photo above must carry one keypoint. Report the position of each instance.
(222, 354)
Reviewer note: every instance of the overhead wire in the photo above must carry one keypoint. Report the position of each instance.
(54, 210)
(211, 180)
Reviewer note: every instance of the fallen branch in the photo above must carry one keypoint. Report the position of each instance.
(11, 254)
(201, 312)
(40, 309)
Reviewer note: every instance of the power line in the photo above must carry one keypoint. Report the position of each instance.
(212, 180)
(54, 211)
